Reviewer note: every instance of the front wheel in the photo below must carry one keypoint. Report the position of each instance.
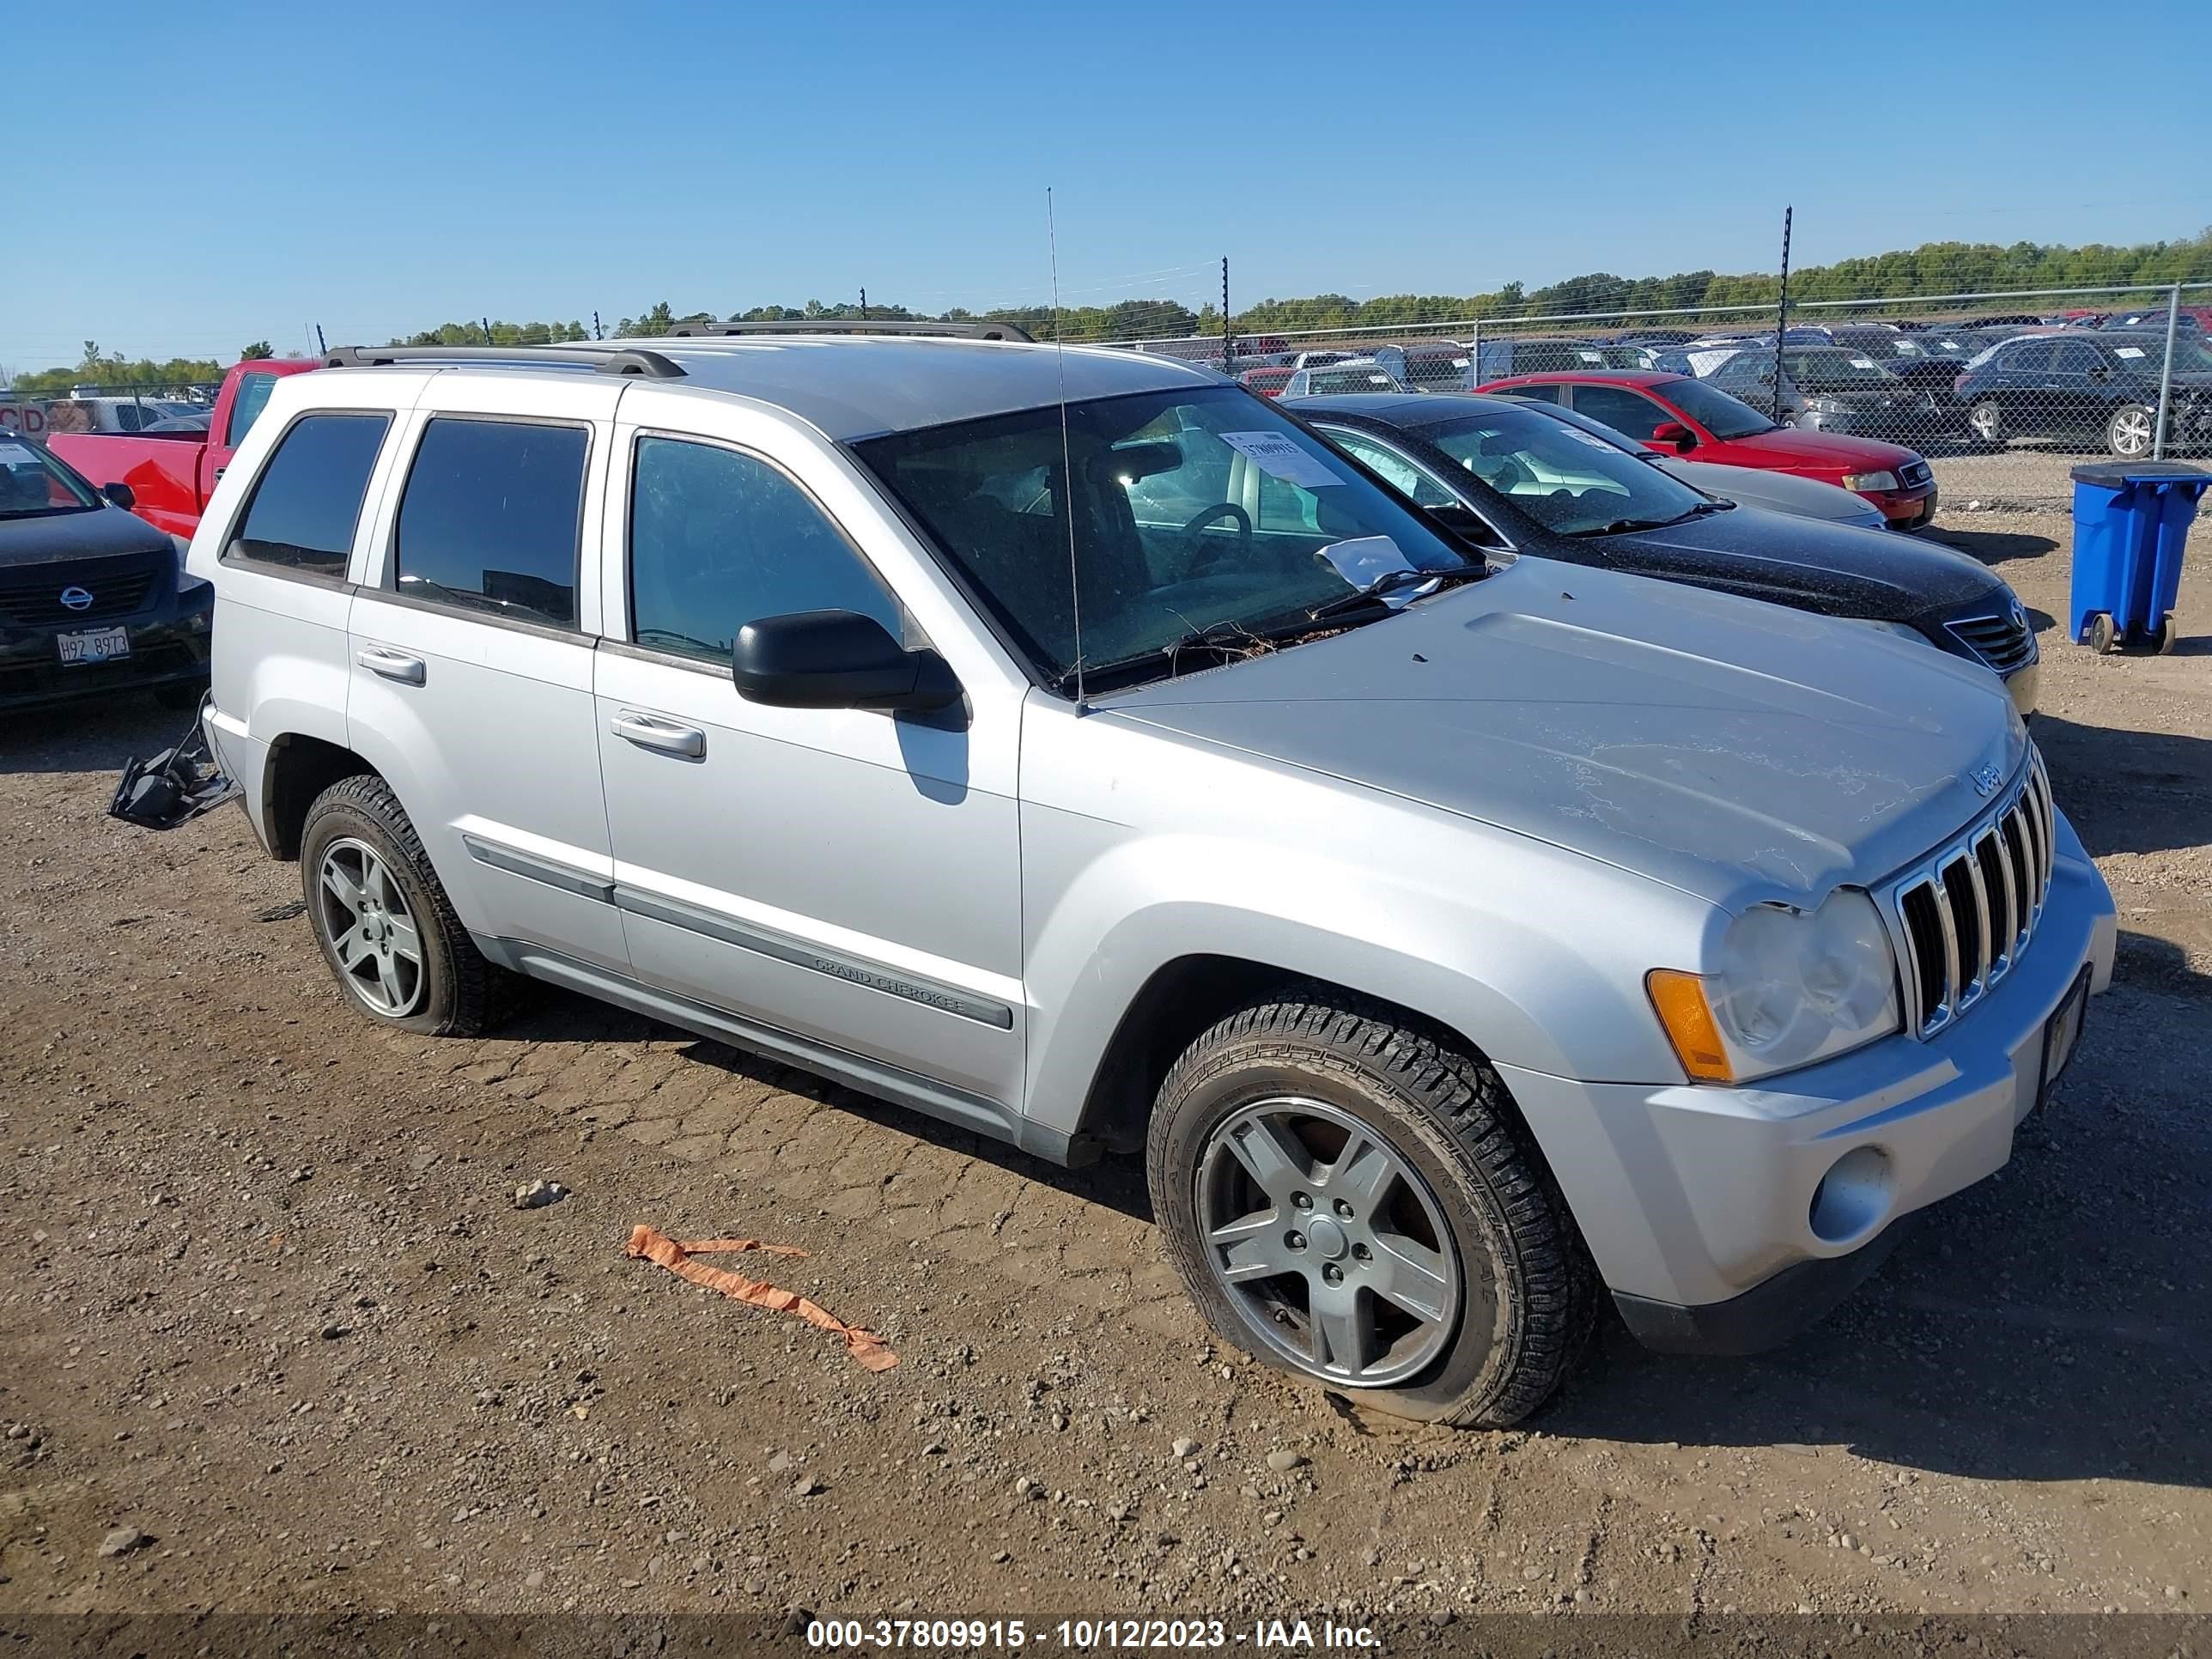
(386, 928)
(1985, 421)
(1357, 1204)
(2129, 434)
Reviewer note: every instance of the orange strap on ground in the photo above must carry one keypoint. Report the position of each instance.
(865, 1347)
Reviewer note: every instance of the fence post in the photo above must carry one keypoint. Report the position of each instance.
(2165, 373)
(1474, 355)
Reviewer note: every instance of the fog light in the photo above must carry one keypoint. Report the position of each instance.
(1853, 1197)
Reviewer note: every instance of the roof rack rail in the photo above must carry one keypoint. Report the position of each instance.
(608, 358)
(855, 326)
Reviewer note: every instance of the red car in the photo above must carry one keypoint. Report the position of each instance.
(1678, 412)
(171, 474)
(1267, 382)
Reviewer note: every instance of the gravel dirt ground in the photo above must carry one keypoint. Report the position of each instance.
(276, 1337)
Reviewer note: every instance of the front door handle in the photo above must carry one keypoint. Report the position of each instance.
(391, 665)
(650, 732)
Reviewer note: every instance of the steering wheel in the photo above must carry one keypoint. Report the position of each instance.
(1201, 562)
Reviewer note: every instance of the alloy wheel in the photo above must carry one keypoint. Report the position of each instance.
(2130, 434)
(371, 932)
(1329, 1243)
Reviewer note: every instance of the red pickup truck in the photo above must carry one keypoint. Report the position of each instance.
(171, 476)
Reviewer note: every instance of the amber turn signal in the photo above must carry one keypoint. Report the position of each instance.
(1678, 999)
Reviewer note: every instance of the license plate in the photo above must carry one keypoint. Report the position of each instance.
(2062, 1035)
(95, 645)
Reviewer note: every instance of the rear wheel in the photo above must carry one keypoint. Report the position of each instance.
(2129, 434)
(2100, 635)
(386, 928)
(1357, 1204)
(1985, 421)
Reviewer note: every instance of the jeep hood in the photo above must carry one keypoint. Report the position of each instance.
(1738, 750)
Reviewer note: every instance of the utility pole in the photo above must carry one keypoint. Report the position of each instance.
(1228, 340)
(321, 350)
(2165, 377)
(1781, 315)
(597, 333)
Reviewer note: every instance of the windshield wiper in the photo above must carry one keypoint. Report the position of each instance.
(1390, 582)
(1622, 527)
(1225, 636)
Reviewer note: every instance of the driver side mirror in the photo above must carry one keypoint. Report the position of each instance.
(120, 494)
(836, 659)
(1672, 434)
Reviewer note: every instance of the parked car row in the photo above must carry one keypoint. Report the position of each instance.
(1971, 382)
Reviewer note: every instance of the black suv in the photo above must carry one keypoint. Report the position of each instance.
(2087, 384)
(93, 599)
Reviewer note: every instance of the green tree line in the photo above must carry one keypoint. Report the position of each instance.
(1933, 268)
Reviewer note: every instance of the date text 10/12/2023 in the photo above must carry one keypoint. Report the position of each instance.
(1086, 1635)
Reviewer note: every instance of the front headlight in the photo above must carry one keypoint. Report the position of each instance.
(186, 582)
(1786, 988)
(1825, 405)
(1869, 481)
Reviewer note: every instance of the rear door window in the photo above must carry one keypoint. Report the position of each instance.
(1625, 411)
(2076, 357)
(308, 500)
(492, 516)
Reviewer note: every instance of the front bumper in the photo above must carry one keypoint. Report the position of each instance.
(1692, 1198)
(168, 647)
(1905, 509)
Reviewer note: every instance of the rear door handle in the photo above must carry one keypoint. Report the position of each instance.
(650, 732)
(392, 664)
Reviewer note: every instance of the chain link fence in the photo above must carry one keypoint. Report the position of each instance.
(2000, 393)
(161, 409)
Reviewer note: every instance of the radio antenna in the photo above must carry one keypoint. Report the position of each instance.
(1067, 464)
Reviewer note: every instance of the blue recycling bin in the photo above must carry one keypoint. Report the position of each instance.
(2130, 522)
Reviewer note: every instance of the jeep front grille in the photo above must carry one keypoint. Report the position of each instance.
(1967, 912)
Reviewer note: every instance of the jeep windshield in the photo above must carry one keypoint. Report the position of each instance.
(33, 483)
(1204, 522)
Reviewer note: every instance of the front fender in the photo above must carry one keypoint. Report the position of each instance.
(1534, 955)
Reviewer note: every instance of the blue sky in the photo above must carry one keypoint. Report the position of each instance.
(381, 168)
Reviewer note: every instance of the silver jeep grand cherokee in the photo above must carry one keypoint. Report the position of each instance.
(1075, 748)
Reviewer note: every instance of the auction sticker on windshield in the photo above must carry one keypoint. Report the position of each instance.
(1279, 457)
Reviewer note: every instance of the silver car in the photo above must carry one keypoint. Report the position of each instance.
(1071, 747)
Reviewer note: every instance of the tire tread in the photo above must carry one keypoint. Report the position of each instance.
(1463, 1095)
(479, 992)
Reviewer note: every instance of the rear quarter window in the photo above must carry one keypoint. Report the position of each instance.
(307, 503)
